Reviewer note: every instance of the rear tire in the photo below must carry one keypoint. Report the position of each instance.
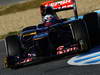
(93, 25)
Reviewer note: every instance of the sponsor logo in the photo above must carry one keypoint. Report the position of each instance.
(86, 59)
(60, 4)
(63, 49)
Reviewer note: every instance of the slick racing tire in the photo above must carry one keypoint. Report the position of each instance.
(93, 25)
(80, 34)
(13, 49)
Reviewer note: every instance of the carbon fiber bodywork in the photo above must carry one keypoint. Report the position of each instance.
(36, 44)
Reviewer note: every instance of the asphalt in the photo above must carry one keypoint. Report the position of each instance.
(58, 67)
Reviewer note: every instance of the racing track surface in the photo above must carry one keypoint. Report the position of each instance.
(58, 67)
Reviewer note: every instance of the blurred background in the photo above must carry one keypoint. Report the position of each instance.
(6, 2)
(17, 14)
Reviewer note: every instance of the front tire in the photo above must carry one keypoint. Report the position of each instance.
(13, 49)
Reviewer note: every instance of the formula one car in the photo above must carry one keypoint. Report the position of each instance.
(39, 43)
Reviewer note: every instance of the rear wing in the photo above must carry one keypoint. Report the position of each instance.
(61, 5)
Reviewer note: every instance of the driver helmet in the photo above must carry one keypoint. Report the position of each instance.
(50, 18)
